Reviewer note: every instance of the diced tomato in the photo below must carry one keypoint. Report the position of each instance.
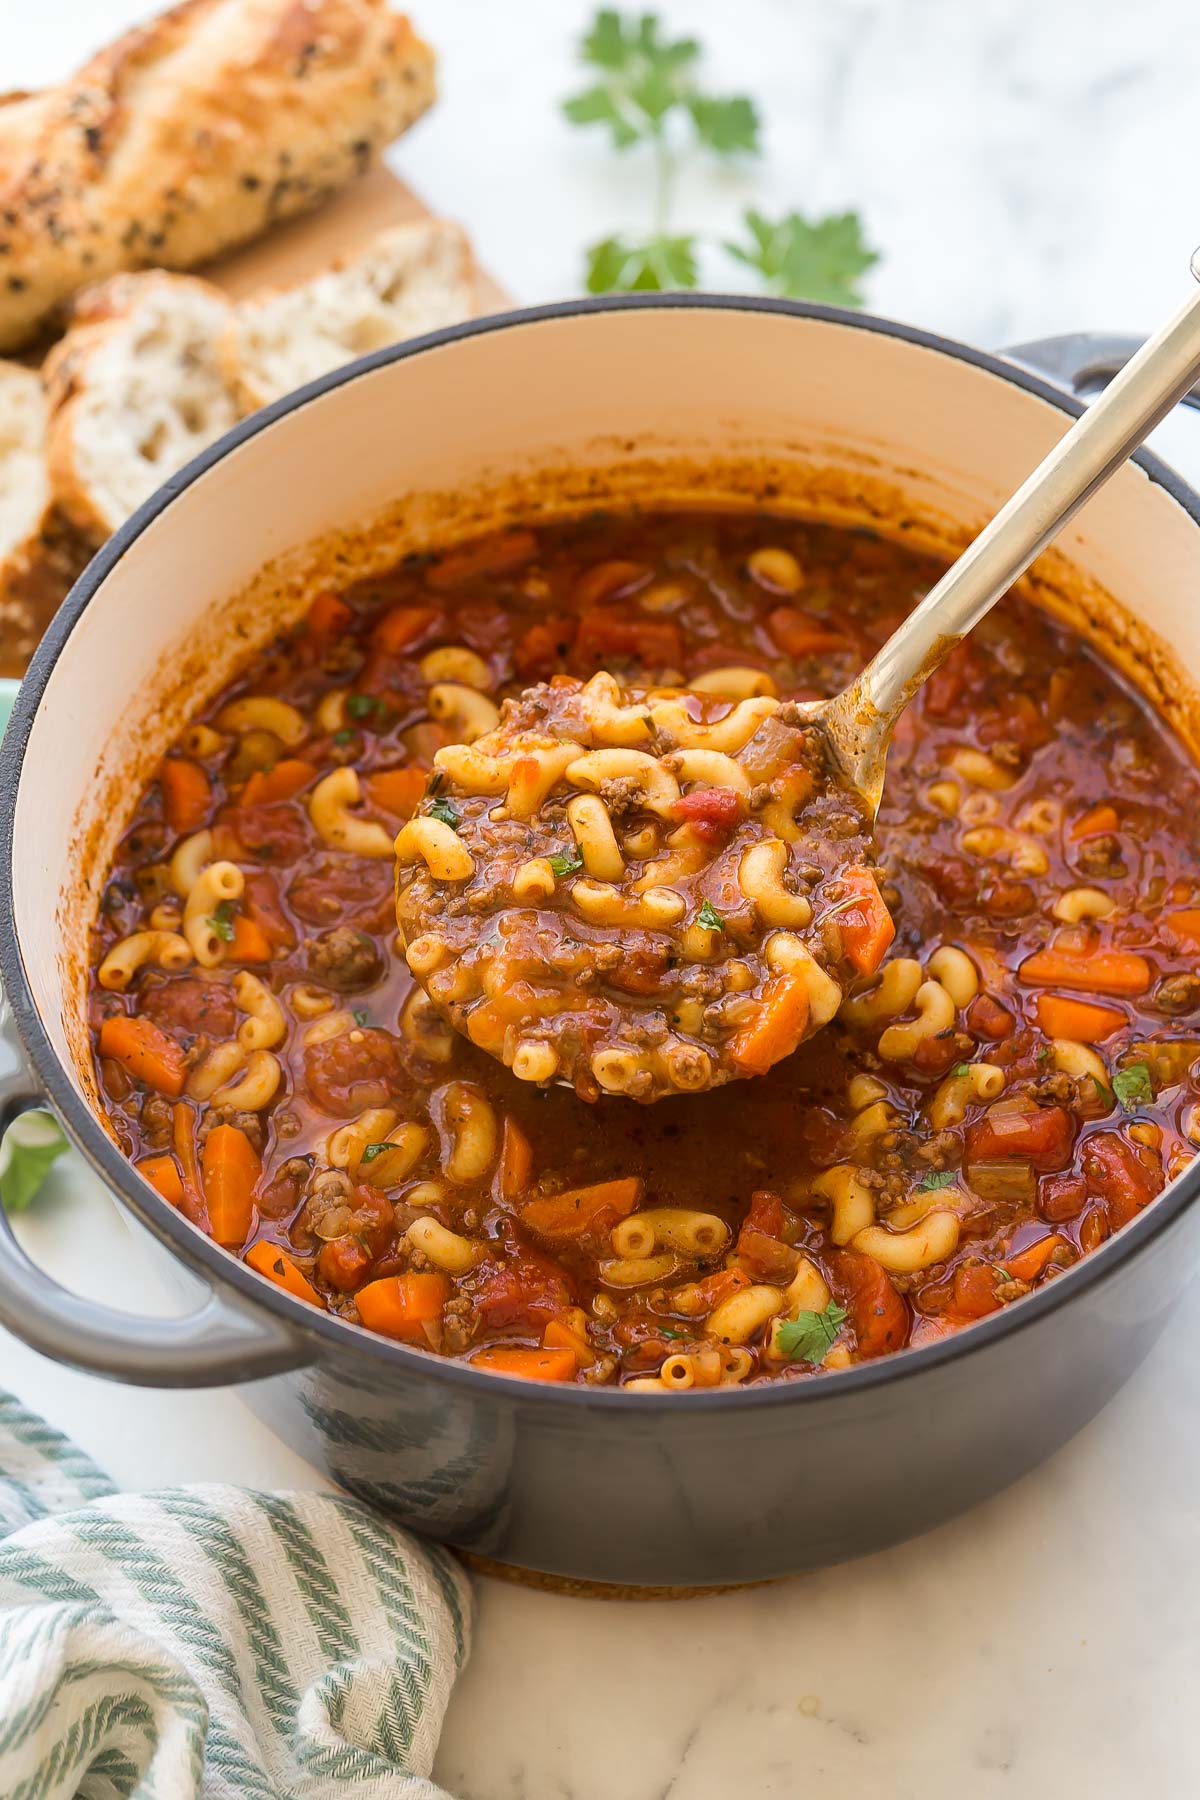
(1126, 1178)
(189, 1007)
(930, 1328)
(1020, 721)
(343, 891)
(699, 1298)
(941, 692)
(799, 634)
(987, 1018)
(495, 554)
(1061, 1197)
(359, 1069)
(525, 1293)
(877, 1312)
(712, 812)
(605, 632)
(545, 647)
(262, 905)
(1042, 1136)
(760, 1245)
(277, 832)
(641, 970)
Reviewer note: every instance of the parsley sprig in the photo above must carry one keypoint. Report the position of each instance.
(647, 93)
(809, 1336)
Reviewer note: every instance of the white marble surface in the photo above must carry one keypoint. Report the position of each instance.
(1027, 166)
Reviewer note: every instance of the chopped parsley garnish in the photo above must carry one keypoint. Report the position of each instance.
(567, 862)
(344, 735)
(809, 1336)
(374, 1150)
(222, 921)
(449, 815)
(710, 918)
(961, 1069)
(360, 706)
(936, 1178)
(361, 1015)
(1133, 1086)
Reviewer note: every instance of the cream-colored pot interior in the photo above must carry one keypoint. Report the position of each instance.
(696, 402)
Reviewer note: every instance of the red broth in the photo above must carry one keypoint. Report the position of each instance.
(1014, 1087)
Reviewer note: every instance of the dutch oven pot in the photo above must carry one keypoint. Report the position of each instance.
(865, 418)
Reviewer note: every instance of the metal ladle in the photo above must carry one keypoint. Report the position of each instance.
(858, 723)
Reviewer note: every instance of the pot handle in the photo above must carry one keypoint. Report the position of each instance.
(222, 1341)
(1082, 361)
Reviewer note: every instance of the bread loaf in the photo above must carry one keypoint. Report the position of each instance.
(194, 133)
(406, 281)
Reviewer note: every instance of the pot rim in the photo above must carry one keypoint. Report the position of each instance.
(219, 1266)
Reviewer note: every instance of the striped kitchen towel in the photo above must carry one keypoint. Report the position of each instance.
(209, 1643)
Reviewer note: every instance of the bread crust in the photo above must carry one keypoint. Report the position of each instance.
(192, 134)
(431, 266)
(102, 393)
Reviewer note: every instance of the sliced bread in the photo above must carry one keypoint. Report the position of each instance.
(136, 388)
(24, 487)
(407, 280)
(31, 581)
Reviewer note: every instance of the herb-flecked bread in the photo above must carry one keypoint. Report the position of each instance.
(192, 134)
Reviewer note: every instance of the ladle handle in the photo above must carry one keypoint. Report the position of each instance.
(1139, 398)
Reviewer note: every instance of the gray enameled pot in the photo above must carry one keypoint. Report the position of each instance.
(704, 396)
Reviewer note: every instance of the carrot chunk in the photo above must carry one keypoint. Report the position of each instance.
(799, 634)
(1184, 927)
(775, 1028)
(1084, 1021)
(1028, 1264)
(249, 943)
(145, 1052)
(402, 626)
(975, 1295)
(187, 793)
(579, 1210)
(277, 1266)
(866, 928)
(1097, 821)
(326, 619)
(516, 1161)
(282, 782)
(229, 1170)
(162, 1172)
(492, 555)
(558, 1335)
(402, 1306)
(397, 791)
(534, 1365)
(1096, 971)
